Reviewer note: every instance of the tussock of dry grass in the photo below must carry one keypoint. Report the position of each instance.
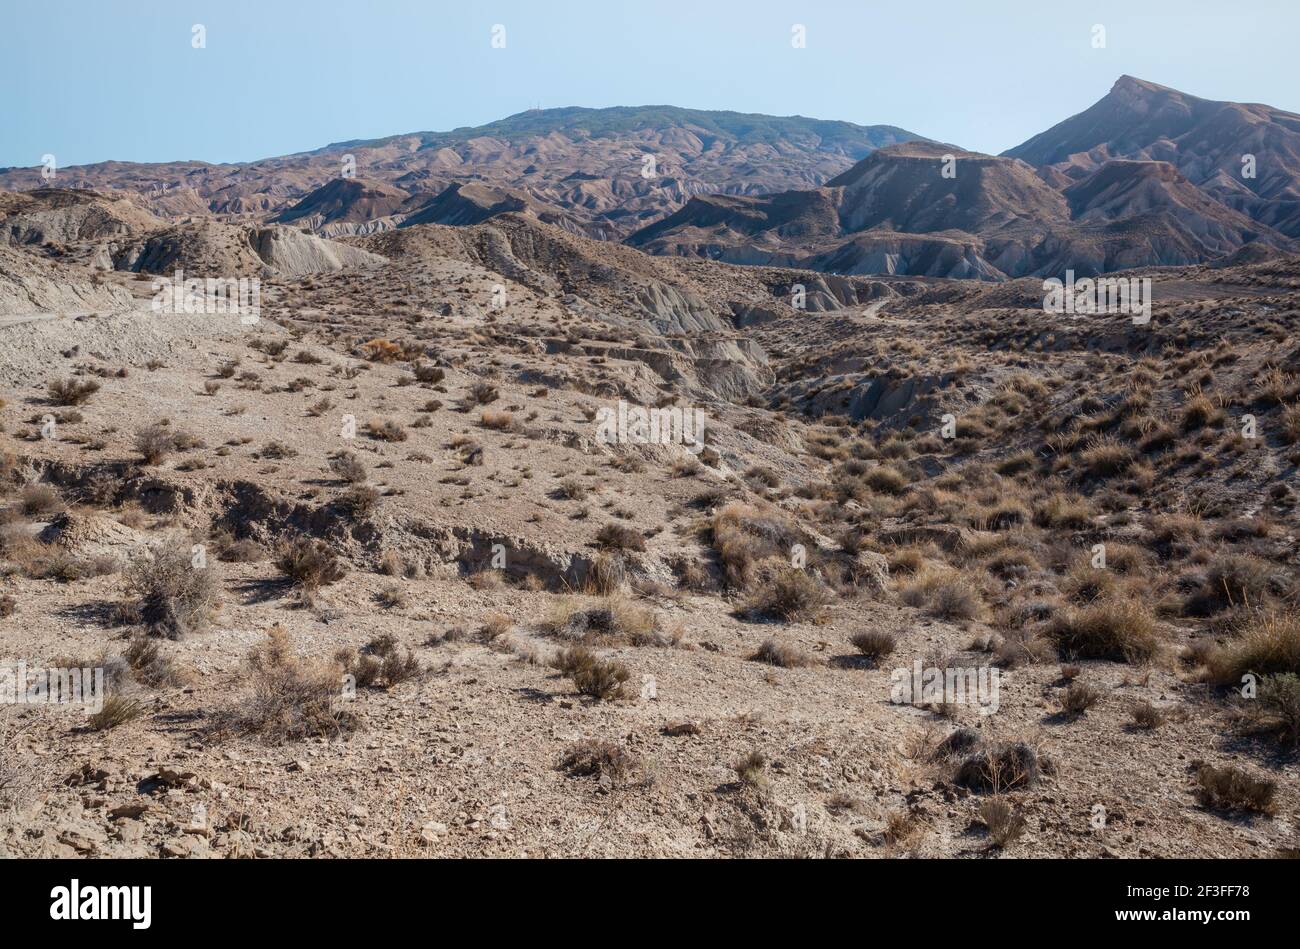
(1120, 630)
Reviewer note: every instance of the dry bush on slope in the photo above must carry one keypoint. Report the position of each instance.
(177, 597)
(743, 536)
(310, 563)
(1267, 644)
(1121, 630)
(72, 391)
(292, 698)
(1231, 789)
(611, 619)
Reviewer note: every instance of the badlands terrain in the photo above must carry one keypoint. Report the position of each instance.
(367, 579)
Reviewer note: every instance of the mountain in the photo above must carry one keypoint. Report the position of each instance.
(599, 172)
(928, 209)
(1148, 176)
(1204, 139)
(347, 206)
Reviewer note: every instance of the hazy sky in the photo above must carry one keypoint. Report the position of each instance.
(89, 80)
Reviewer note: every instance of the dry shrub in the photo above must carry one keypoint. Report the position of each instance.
(874, 644)
(385, 430)
(572, 489)
(750, 768)
(1147, 715)
(148, 664)
(743, 536)
(1232, 580)
(72, 391)
(612, 619)
(154, 443)
(359, 501)
(292, 698)
(570, 659)
(620, 537)
(348, 467)
(790, 595)
(900, 827)
(1279, 698)
(946, 594)
(785, 655)
(310, 563)
(1000, 767)
(380, 350)
(428, 373)
(244, 550)
(613, 764)
(601, 679)
(498, 420)
(482, 393)
(1120, 630)
(1078, 698)
(40, 500)
(1232, 789)
(176, 598)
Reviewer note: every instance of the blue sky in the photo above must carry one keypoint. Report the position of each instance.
(89, 80)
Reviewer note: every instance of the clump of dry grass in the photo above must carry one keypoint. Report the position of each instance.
(1078, 698)
(611, 619)
(149, 665)
(1005, 823)
(785, 655)
(946, 594)
(874, 644)
(1105, 456)
(176, 597)
(117, 710)
(606, 575)
(743, 536)
(1232, 789)
(1118, 630)
(749, 769)
(620, 537)
(40, 500)
(1232, 579)
(1267, 644)
(499, 420)
(1147, 715)
(999, 767)
(900, 827)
